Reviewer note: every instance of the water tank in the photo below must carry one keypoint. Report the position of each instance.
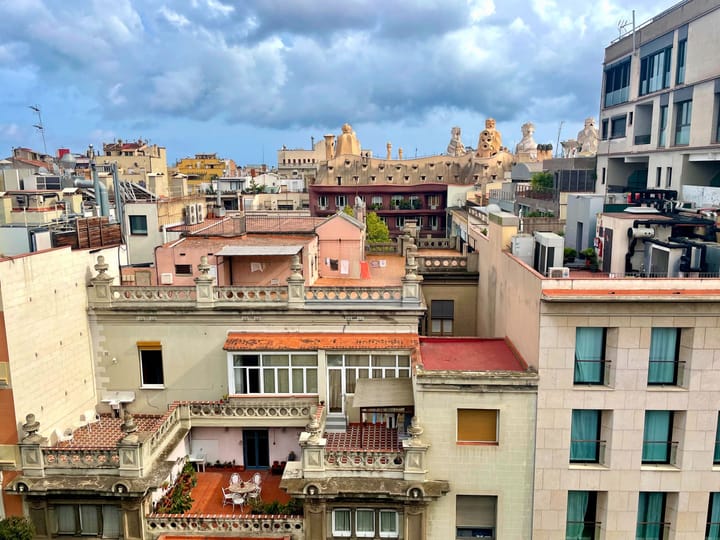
(522, 248)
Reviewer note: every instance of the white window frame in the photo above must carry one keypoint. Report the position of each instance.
(340, 201)
(392, 534)
(433, 223)
(343, 533)
(143, 348)
(262, 369)
(323, 202)
(365, 534)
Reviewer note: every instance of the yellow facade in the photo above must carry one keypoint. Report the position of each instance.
(201, 169)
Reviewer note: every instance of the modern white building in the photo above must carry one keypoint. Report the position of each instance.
(660, 105)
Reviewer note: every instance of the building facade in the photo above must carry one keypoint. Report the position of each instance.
(660, 104)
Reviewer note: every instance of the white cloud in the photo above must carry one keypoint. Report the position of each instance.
(219, 8)
(480, 9)
(518, 25)
(174, 18)
(114, 95)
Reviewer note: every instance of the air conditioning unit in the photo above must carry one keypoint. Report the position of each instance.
(190, 215)
(166, 278)
(558, 272)
(199, 212)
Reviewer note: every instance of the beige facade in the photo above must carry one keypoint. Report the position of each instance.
(138, 163)
(545, 319)
(659, 128)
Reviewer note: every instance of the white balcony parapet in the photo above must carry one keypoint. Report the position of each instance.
(262, 525)
(353, 294)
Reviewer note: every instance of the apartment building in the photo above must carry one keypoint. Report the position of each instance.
(660, 105)
(138, 162)
(627, 433)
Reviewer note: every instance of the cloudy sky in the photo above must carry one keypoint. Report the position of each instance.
(242, 78)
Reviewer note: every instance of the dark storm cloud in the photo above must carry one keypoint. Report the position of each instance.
(292, 63)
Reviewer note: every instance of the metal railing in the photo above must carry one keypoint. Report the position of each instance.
(668, 449)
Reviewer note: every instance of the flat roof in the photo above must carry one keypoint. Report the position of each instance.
(240, 251)
(469, 354)
(313, 341)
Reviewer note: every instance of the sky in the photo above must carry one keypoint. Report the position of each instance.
(243, 78)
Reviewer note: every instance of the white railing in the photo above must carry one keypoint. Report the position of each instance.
(353, 294)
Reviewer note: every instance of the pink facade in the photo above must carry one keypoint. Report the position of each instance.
(221, 444)
(341, 241)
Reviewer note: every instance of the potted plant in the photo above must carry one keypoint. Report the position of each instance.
(569, 255)
(591, 260)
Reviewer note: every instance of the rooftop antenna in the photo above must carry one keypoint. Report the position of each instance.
(39, 126)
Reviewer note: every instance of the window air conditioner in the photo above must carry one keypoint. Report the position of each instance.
(190, 215)
(199, 212)
(558, 272)
(166, 279)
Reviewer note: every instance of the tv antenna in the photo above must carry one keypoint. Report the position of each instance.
(557, 146)
(622, 24)
(39, 126)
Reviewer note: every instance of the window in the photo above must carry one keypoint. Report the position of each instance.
(655, 71)
(617, 83)
(388, 524)
(477, 426)
(682, 53)
(433, 201)
(341, 522)
(663, 125)
(88, 520)
(475, 516)
(716, 454)
(442, 313)
(712, 532)
(433, 223)
(604, 129)
(396, 200)
(271, 373)
(658, 175)
(364, 523)
(617, 127)
(399, 222)
(377, 201)
(657, 444)
(602, 181)
(651, 516)
(664, 356)
(151, 364)
(581, 515)
(682, 122)
(585, 436)
(589, 355)
(323, 201)
(138, 225)
(340, 202)
(183, 269)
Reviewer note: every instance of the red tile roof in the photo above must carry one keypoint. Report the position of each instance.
(469, 354)
(106, 432)
(375, 437)
(311, 342)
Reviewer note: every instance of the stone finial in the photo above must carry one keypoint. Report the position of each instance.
(102, 267)
(129, 428)
(31, 427)
(204, 267)
(410, 265)
(313, 427)
(415, 431)
(296, 267)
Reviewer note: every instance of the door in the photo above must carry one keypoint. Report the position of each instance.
(607, 240)
(255, 448)
(335, 390)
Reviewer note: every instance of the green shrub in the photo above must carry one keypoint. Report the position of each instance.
(16, 528)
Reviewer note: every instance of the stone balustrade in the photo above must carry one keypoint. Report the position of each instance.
(280, 408)
(246, 526)
(157, 440)
(273, 294)
(364, 460)
(428, 265)
(79, 458)
(132, 295)
(353, 294)
(436, 243)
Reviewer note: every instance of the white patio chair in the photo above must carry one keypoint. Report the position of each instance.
(228, 497)
(238, 500)
(257, 479)
(234, 478)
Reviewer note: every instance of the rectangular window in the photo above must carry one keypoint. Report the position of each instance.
(658, 175)
(651, 516)
(682, 53)
(585, 436)
(151, 364)
(657, 443)
(274, 373)
(617, 83)
(668, 177)
(477, 425)
(716, 454)
(433, 223)
(323, 202)
(183, 269)
(682, 122)
(663, 125)
(377, 202)
(442, 313)
(475, 516)
(712, 531)
(88, 520)
(138, 225)
(399, 222)
(655, 71)
(364, 523)
(664, 356)
(341, 522)
(602, 180)
(388, 524)
(617, 127)
(581, 515)
(604, 129)
(590, 355)
(340, 202)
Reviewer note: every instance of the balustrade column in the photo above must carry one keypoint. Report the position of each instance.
(296, 284)
(204, 295)
(411, 281)
(313, 449)
(100, 292)
(31, 456)
(415, 453)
